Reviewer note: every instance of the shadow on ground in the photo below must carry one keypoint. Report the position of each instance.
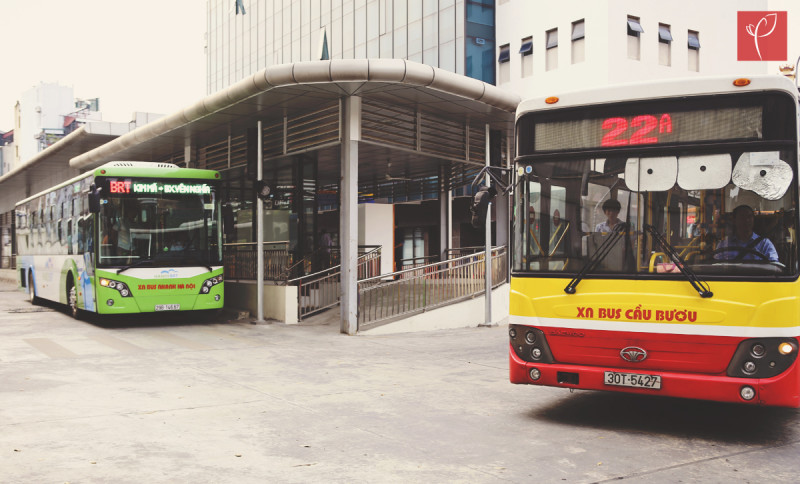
(725, 422)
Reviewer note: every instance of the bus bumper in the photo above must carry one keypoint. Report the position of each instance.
(782, 390)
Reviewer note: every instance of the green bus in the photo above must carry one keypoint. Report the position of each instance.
(126, 237)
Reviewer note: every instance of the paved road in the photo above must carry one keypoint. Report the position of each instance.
(234, 402)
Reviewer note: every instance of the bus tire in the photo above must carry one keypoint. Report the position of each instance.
(72, 299)
(31, 290)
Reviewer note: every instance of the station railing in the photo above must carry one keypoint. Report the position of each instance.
(322, 290)
(241, 261)
(427, 287)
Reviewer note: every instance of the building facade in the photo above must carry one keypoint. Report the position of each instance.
(594, 43)
(46, 113)
(454, 35)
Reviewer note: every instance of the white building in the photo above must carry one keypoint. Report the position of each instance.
(545, 49)
(44, 114)
(40, 112)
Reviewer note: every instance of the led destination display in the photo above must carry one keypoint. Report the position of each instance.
(130, 186)
(649, 129)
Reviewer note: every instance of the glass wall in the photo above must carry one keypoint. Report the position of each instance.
(480, 40)
(456, 35)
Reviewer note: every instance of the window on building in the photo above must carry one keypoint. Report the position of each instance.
(635, 31)
(504, 67)
(526, 46)
(578, 42)
(526, 54)
(505, 54)
(551, 46)
(694, 51)
(664, 45)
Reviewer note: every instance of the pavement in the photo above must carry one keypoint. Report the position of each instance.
(9, 276)
(178, 400)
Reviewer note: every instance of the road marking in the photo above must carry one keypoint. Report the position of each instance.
(50, 348)
(116, 343)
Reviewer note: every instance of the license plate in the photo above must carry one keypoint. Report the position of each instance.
(167, 307)
(634, 380)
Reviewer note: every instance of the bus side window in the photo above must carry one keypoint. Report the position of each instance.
(69, 237)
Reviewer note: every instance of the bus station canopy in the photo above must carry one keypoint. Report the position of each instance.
(277, 92)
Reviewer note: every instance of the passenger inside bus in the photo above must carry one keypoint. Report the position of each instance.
(611, 208)
(743, 243)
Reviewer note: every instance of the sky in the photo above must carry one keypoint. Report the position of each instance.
(135, 55)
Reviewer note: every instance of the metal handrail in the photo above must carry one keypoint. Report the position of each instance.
(423, 288)
(240, 260)
(322, 290)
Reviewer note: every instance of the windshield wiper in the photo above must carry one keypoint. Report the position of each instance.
(135, 264)
(598, 256)
(699, 285)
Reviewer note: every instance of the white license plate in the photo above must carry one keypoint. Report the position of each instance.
(634, 380)
(167, 307)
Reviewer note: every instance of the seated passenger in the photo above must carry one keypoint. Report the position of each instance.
(744, 238)
(611, 208)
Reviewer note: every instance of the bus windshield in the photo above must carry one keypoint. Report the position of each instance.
(175, 223)
(719, 213)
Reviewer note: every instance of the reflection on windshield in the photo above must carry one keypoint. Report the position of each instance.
(727, 214)
(171, 229)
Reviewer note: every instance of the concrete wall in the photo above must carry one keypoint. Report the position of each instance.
(376, 227)
(467, 314)
(280, 302)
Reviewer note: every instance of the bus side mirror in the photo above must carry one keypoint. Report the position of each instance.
(480, 204)
(94, 198)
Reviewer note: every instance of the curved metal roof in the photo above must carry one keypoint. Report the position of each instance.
(282, 89)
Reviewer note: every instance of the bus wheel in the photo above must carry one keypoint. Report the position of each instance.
(72, 299)
(31, 290)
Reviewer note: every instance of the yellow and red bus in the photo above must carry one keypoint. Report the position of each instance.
(655, 241)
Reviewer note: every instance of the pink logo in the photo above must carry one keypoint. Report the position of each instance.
(761, 36)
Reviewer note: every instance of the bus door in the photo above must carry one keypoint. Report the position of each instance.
(552, 227)
(604, 188)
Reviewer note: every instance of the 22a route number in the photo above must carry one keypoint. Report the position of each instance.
(641, 130)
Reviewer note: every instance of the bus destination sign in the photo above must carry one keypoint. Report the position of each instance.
(643, 128)
(134, 187)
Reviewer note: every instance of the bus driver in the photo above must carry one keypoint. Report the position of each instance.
(743, 243)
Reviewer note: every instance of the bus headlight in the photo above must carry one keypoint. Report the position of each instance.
(762, 357)
(120, 287)
(206, 286)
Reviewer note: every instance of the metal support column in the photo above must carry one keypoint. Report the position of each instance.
(444, 213)
(259, 231)
(348, 213)
(488, 257)
(503, 204)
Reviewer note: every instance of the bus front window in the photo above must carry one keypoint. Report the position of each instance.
(722, 214)
(177, 229)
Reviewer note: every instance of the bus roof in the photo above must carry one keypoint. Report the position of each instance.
(657, 89)
(134, 168)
